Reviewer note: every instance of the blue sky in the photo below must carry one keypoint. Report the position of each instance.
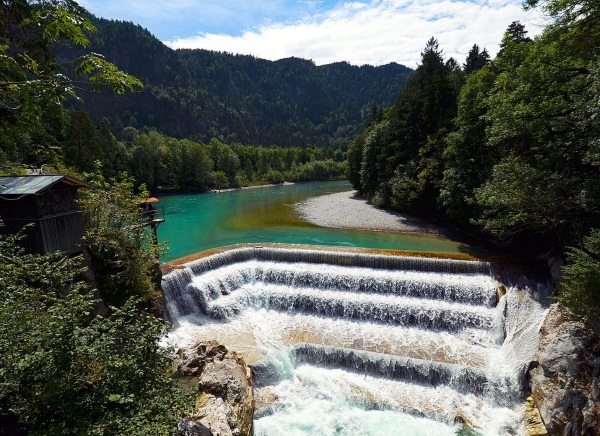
(372, 32)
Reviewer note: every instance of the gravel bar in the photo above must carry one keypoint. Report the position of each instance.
(344, 210)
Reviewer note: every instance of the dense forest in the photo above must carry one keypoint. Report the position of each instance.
(164, 163)
(200, 95)
(200, 121)
(509, 145)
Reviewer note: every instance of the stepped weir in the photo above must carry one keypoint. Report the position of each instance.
(356, 343)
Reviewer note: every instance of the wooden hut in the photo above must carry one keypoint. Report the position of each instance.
(49, 202)
(151, 216)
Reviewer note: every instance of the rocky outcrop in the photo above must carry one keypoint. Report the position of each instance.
(532, 420)
(565, 376)
(225, 404)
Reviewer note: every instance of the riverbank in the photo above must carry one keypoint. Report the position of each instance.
(344, 210)
(215, 191)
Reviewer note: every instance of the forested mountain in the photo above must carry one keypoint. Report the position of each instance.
(201, 95)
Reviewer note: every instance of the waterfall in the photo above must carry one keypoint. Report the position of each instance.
(429, 334)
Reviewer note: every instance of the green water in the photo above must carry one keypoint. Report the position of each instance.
(198, 222)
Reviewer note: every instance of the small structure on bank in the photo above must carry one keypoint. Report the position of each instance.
(49, 202)
(151, 216)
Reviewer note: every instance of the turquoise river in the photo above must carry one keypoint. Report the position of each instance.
(198, 222)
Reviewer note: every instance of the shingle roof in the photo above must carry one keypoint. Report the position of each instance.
(23, 185)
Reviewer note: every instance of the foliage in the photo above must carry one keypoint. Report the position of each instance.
(401, 153)
(569, 12)
(33, 85)
(376, 158)
(317, 170)
(123, 257)
(467, 159)
(292, 103)
(275, 177)
(64, 371)
(521, 198)
(355, 158)
(159, 161)
(510, 153)
(476, 59)
(81, 147)
(30, 81)
(581, 281)
(543, 114)
(219, 180)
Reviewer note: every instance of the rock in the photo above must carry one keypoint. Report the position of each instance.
(564, 379)
(214, 417)
(500, 292)
(264, 401)
(225, 404)
(196, 357)
(533, 421)
(555, 265)
(191, 427)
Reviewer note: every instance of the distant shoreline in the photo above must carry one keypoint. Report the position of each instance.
(216, 191)
(163, 191)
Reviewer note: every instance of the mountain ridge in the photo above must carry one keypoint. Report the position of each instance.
(201, 94)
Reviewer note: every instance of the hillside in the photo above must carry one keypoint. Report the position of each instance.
(202, 94)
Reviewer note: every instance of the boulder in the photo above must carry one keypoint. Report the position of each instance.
(565, 375)
(225, 403)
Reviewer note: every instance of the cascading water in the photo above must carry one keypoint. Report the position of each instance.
(351, 344)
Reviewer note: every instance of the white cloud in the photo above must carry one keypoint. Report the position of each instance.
(378, 32)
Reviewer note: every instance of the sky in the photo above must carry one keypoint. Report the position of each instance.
(374, 32)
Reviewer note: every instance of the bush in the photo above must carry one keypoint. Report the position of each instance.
(274, 177)
(317, 171)
(63, 371)
(582, 278)
(219, 180)
(240, 180)
(123, 256)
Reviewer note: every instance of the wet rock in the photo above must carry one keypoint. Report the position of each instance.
(264, 400)
(225, 404)
(564, 378)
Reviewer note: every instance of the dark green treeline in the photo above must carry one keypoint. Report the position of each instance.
(507, 147)
(161, 162)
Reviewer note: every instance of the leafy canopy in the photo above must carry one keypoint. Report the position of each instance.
(64, 370)
(31, 79)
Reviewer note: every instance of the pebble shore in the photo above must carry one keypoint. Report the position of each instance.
(344, 210)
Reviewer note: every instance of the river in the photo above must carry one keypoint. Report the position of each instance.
(198, 222)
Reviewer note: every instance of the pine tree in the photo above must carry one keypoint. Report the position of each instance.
(476, 59)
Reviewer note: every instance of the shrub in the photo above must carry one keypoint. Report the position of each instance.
(581, 279)
(63, 371)
(275, 177)
(123, 256)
